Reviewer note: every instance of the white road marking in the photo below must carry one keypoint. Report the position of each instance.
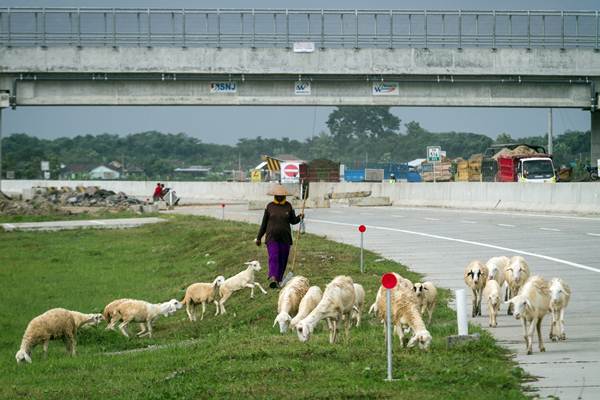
(507, 225)
(550, 229)
(397, 216)
(98, 222)
(460, 210)
(432, 219)
(468, 222)
(471, 242)
(593, 234)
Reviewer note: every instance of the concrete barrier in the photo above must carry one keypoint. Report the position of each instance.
(561, 197)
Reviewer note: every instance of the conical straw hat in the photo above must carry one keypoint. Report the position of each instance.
(278, 190)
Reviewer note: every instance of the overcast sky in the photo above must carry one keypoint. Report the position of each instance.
(227, 124)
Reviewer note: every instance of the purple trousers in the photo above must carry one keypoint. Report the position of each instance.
(278, 258)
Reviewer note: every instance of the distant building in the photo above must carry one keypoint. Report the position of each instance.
(103, 172)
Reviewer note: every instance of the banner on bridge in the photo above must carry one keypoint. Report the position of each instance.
(223, 87)
(386, 89)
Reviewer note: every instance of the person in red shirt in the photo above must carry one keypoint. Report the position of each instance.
(157, 192)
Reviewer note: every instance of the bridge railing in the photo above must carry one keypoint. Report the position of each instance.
(284, 27)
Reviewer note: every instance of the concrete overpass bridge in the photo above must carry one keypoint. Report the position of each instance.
(76, 56)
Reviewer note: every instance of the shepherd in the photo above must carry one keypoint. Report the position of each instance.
(276, 221)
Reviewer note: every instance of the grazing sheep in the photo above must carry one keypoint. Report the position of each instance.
(426, 296)
(530, 306)
(244, 279)
(491, 293)
(476, 274)
(56, 323)
(336, 304)
(516, 273)
(201, 293)
(560, 293)
(402, 282)
(289, 301)
(496, 267)
(143, 313)
(359, 303)
(109, 312)
(405, 315)
(308, 303)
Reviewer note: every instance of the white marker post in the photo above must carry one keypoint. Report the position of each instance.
(388, 281)
(461, 312)
(362, 230)
(222, 211)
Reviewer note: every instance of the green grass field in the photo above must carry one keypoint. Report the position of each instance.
(237, 355)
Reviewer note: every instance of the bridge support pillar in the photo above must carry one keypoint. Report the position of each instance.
(595, 145)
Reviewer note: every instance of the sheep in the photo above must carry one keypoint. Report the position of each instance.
(560, 293)
(54, 324)
(476, 274)
(516, 273)
(109, 312)
(144, 313)
(496, 267)
(405, 314)
(401, 281)
(359, 302)
(530, 306)
(289, 301)
(337, 303)
(244, 279)
(201, 293)
(308, 303)
(426, 297)
(491, 292)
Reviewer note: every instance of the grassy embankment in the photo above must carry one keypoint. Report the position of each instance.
(236, 355)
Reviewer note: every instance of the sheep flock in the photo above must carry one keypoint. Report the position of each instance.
(302, 308)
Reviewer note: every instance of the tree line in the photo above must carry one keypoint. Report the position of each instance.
(355, 136)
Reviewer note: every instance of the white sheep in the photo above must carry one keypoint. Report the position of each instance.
(289, 301)
(560, 294)
(337, 304)
(496, 267)
(491, 293)
(516, 273)
(405, 315)
(143, 313)
(308, 303)
(401, 281)
(56, 323)
(475, 276)
(359, 303)
(241, 280)
(201, 293)
(109, 312)
(530, 306)
(426, 293)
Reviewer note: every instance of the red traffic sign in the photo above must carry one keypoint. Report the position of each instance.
(291, 170)
(362, 228)
(389, 280)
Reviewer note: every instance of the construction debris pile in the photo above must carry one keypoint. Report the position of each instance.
(42, 200)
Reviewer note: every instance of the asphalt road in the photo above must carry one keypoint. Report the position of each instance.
(439, 243)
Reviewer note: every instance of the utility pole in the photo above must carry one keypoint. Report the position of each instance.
(550, 149)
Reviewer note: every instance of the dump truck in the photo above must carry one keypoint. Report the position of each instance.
(520, 163)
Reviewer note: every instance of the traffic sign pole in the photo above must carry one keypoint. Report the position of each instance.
(434, 172)
(222, 211)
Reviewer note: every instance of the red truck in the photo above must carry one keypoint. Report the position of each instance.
(526, 168)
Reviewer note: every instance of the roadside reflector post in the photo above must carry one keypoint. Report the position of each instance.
(222, 210)
(388, 281)
(362, 230)
(461, 312)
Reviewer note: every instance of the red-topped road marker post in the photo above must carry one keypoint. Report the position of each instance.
(389, 281)
(362, 230)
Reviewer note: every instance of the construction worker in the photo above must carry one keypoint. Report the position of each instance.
(278, 216)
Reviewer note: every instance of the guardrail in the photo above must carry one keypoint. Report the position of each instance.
(283, 27)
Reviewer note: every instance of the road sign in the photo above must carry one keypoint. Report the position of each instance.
(45, 165)
(290, 173)
(389, 280)
(434, 154)
(362, 228)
